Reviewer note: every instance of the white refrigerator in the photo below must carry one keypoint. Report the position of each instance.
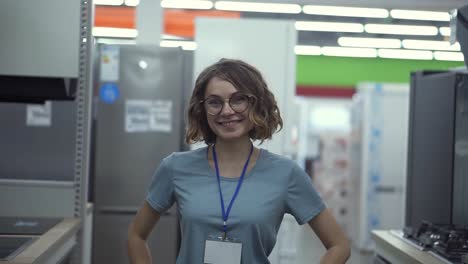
(378, 151)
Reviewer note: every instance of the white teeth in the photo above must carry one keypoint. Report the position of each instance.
(230, 123)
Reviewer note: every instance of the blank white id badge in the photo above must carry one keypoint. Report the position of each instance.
(219, 251)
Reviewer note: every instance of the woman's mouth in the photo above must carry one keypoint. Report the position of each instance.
(230, 123)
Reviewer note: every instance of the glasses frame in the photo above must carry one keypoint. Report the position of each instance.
(251, 100)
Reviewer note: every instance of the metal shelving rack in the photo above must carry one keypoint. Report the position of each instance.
(83, 121)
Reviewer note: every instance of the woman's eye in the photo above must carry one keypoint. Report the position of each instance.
(239, 100)
(214, 102)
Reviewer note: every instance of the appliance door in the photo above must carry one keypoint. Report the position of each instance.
(430, 155)
(460, 162)
(110, 242)
(133, 134)
(38, 141)
(128, 147)
(391, 161)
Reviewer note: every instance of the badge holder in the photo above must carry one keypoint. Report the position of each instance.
(222, 250)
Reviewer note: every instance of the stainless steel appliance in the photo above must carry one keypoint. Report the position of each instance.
(17, 233)
(38, 141)
(138, 121)
(10, 246)
(26, 225)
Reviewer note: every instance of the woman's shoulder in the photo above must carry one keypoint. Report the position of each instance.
(274, 159)
(186, 156)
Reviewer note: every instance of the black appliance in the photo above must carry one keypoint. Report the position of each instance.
(437, 173)
(12, 246)
(29, 89)
(447, 241)
(26, 225)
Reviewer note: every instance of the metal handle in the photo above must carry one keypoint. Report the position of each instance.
(385, 189)
(118, 210)
(122, 210)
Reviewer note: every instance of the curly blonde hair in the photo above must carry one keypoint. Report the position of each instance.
(264, 114)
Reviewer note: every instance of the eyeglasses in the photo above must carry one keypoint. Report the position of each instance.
(239, 102)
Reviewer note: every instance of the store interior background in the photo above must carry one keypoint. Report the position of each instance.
(336, 77)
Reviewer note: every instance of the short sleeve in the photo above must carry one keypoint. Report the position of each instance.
(161, 191)
(303, 201)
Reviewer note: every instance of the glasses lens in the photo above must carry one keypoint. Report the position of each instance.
(239, 102)
(213, 105)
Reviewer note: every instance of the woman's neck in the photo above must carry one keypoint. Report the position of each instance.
(233, 150)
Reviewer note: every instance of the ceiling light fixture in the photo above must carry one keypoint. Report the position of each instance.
(258, 7)
(405, 54)
(172, 37)
(187, 4)
(349, 52)
(329, 26)
(115, 32)
(445, 31)
(345, 11)
(132, 2)
(420, 15)
(306, 50)
(186, 45)
(401, 29)
(116, 41)
(109, 2)
(369, 42)
(448, 56)
(430, 45)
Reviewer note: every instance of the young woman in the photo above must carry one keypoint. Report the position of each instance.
(231, 196)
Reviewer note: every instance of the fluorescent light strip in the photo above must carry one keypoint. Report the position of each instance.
(420, 15)
(187, 4)
(430, 45)
(445, 31)
(115, 32)
(132, 2)
(369, 42)
(108, 2)
(329, 26)
(448, 56)
(405, 54)
(401, 29)
(306, 50)
(349, 52)
(186, 45)
(258, 7)
(345, 11)
(172, 37)
(117, 41)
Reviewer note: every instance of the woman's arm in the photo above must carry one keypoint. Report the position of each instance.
(138, 231)
(332, 237)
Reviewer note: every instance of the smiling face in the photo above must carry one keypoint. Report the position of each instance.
(230, 82)
(228, 124)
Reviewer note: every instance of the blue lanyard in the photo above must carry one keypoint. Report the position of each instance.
(223, 211)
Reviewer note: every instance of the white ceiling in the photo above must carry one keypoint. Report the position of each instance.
(429, 5)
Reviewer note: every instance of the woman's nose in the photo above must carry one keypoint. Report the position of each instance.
(227, 110)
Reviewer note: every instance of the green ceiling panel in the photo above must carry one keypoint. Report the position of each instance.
(345, 71)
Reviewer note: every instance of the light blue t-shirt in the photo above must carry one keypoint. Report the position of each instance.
(273, 187)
